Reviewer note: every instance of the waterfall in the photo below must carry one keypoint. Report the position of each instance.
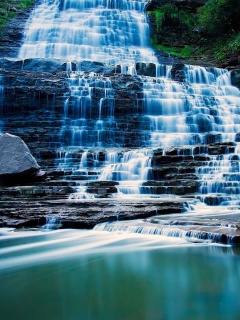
(185, 113)
(203, 108)
(86, 122)
(195, 234)
(114, 32)
(131, 170)
(52, 223)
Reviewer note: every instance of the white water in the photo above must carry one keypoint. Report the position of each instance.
(183, 114)
(80, 126)
(114, 32)
(203, 109)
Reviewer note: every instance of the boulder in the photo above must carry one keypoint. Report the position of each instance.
(15, 158)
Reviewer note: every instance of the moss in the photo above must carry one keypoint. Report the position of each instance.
(184, 52)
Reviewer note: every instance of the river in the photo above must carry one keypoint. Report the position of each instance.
(86, 274)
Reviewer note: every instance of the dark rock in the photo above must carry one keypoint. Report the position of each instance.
(146, 69)
(20, 212)
(12, 36)
(237, 138)
(235, 78)
(178, 72)
(221, 148)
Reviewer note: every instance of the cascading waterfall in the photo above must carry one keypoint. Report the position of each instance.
(114, 32)
(204, 108)
(80, 125)
(185, 114)
(130, 171)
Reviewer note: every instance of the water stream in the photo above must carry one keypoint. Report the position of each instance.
(74, 274)
(202, 109)
(94, 274)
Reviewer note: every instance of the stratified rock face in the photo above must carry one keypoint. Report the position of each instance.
(15, 157)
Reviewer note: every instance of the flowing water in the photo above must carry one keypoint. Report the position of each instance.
(202, 109)
(115, 32)
(73, 274)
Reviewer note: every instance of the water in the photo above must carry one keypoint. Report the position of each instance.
(94, 275)
(52, 222)
(115, 32)
(82, 124)
(204, 108)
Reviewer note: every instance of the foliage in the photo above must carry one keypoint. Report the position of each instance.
(216, 28)
(184, 52)
(166, 14)
(220, 17)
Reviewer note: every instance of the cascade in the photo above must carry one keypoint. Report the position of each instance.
(114, 32)
(130, 171)
(88, 120)
(53, 222)
(203, 108)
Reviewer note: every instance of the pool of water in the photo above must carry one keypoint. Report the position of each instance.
(74, 274)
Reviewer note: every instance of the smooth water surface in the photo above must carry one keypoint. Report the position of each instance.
(74, 274)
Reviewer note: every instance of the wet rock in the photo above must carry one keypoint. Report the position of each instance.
(237, 138)
(235, 78)
(20, 212)
(11, 39)
(221, 148)
(216, 229)
(146, 69)
(178, 72)
(15, 159)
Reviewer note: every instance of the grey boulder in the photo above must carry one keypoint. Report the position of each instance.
(15, 156)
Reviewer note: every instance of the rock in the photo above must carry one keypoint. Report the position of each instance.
(178, 72)
(235, 78)
(191, 4)
(146, 69)
(237, 138)
(11, 38)
(15, 158)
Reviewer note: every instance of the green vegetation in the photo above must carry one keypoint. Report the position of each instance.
(220, 19)
(213, 29)
(184, 52)
(9, 9)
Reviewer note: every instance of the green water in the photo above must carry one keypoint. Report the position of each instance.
(76, 275)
